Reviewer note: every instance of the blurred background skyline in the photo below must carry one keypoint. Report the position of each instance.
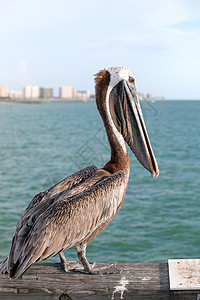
(65, 42)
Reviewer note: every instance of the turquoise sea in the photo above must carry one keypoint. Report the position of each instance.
(160, 218)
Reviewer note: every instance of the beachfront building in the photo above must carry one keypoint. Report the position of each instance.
(3, 91)
(15, 95)
(46, 92)
(31, 92)
(67, 92)
(145, 96)
(83, 95)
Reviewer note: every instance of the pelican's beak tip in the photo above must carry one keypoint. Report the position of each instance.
(155, 174)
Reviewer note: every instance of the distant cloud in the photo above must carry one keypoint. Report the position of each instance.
(25, 77)
(17, 77)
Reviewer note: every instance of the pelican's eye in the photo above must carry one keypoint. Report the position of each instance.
(131, 79)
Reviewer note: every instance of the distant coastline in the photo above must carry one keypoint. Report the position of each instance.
(67, 94)
(59, 99)
(91, 99)
(44, 100)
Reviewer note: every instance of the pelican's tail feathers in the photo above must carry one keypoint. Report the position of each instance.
(20, 267)
(4, 266)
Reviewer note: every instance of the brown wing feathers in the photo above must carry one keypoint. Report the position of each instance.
(67, 223)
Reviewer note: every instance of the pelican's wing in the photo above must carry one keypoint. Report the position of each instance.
(64, 185)
(67, 222)
(67, 183)
(42, 200)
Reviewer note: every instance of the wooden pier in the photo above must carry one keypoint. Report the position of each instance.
(140, 281)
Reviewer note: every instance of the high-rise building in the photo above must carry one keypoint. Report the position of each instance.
(15, 95)
(46, 92)
(83, 95)
(67, 92)
(31, 92)
(3, 91)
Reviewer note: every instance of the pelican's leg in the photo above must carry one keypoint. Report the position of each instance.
(81, 251)
(89, 269)
(64, 262)
(84, 261)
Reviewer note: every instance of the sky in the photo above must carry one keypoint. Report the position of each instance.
(60, 42)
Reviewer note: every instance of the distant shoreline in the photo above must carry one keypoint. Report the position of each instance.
(42, 100)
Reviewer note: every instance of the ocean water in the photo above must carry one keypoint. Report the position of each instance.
(41, 144)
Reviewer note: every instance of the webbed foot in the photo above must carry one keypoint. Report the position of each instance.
(108, 269)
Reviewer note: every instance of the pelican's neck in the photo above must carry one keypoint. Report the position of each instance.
(119, 153)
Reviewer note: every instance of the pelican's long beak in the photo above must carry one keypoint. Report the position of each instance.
(128, 118)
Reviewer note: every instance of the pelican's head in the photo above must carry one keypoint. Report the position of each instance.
(116, 96)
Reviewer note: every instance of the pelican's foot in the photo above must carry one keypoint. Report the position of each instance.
(68, 265)
(108, 269)
(85, 270)
(65, 266)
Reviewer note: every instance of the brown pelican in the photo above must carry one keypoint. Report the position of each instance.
(74, 211)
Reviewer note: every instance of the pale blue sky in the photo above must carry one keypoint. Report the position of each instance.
(61, 42)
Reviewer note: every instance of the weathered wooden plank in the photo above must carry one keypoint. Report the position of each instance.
(184, 274)
(132, 281)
